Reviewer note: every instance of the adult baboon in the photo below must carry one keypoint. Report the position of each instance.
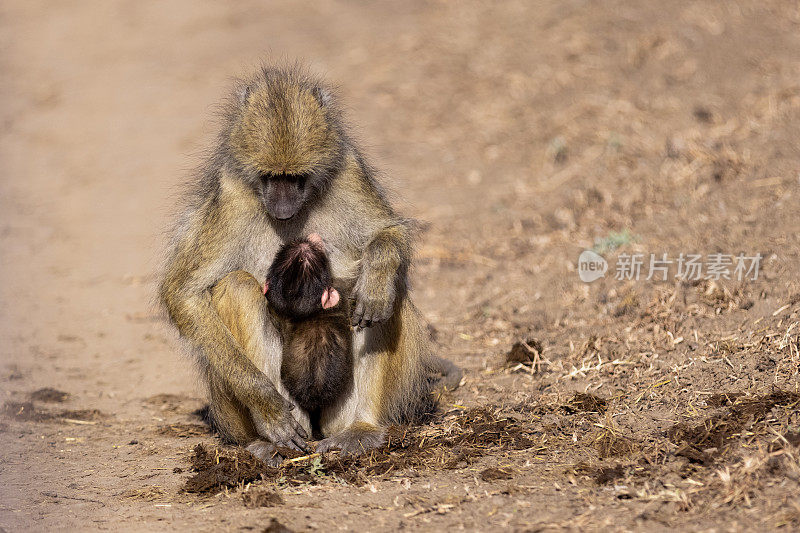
(285, 167)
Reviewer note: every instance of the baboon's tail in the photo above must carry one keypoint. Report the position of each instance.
(444, 373)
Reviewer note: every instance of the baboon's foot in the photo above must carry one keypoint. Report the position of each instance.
(355, 440)
(265, 451)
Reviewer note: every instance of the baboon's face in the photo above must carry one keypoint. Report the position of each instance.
(283, 194)
(286, 140)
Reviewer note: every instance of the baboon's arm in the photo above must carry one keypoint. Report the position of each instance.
(221, 354)
(195, 267)
(383, 272)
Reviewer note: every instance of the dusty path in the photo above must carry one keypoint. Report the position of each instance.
(522, 132)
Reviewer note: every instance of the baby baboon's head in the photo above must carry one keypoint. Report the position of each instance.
(299, 279)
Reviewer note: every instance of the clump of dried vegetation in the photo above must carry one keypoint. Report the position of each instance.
(457, 439)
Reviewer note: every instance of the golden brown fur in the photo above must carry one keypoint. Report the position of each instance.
(284, 167)
(283, 129)
(317, 366)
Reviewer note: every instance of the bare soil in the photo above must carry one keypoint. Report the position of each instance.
(522, 133)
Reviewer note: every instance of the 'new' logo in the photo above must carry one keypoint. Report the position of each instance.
(591, 266)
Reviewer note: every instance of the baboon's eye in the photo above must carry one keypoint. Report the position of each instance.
(297, 179)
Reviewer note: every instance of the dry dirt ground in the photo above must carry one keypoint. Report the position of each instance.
(523, 133)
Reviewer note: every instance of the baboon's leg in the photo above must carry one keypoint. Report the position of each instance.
(239, 300)
(228, 416)
(390, 384)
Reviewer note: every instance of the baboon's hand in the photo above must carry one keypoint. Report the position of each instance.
(287, 432)
(372, 302)
(283, 430)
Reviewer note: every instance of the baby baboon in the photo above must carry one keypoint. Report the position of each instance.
(317, 367)
(285, 167)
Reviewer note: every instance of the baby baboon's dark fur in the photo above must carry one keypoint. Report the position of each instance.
(317, 367)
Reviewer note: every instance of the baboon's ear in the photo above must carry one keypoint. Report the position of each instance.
(330, 298)
(316, 239)
(242, 93)
(266, 286)
(322, 95)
